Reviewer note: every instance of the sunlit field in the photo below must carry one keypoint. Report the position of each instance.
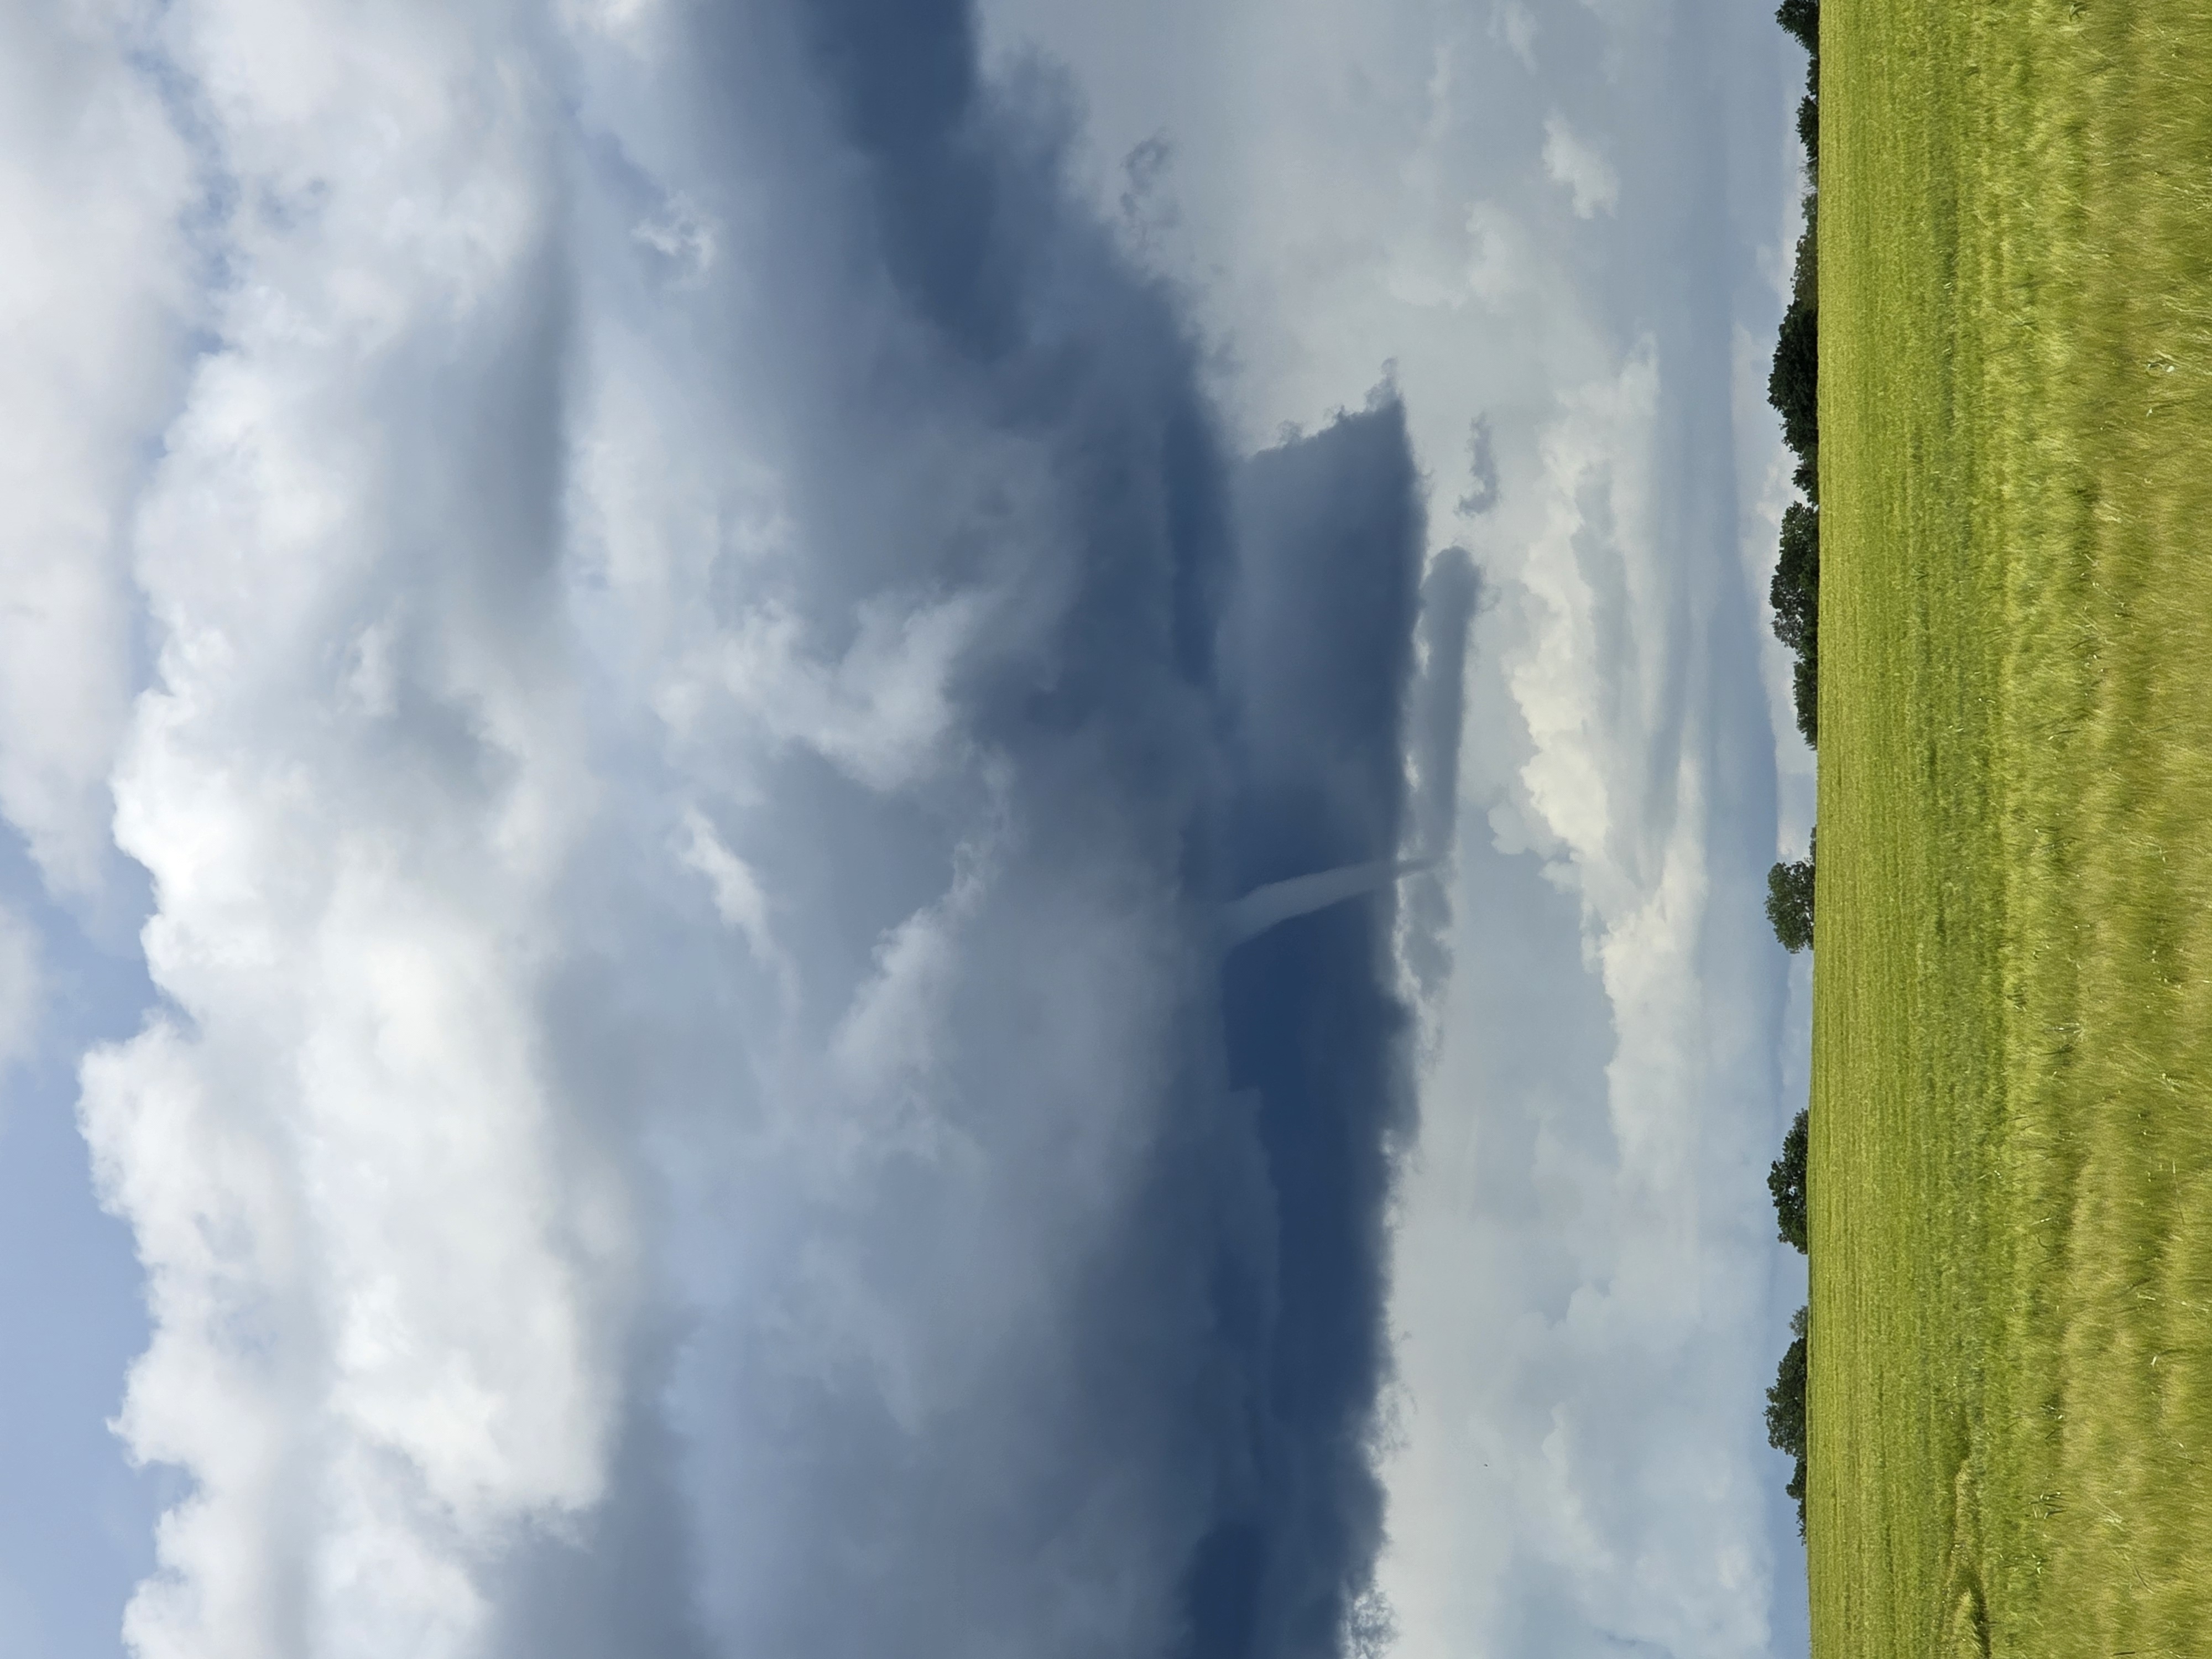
(2011, 1175)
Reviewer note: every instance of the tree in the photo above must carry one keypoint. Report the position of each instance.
(1785, 1179)
(1802, 19)
(1793, 384)
(1795, 592)
(1785, 1410)
(1805, 265)
(1805, 699)
(1789, 902)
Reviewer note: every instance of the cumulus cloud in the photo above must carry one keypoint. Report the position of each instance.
(384, 1275)
(715, 674)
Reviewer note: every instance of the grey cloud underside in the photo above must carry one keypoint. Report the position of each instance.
(1046, 1318)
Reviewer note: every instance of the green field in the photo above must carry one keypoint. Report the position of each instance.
(2010, 1412)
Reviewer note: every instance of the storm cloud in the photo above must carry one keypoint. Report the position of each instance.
(756, 757)
(718, 677)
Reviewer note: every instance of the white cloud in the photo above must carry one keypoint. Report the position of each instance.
(384, 1271)
(96, 296)
(1572, 162)
(739, 899)
(1581, 662)
(880, 712)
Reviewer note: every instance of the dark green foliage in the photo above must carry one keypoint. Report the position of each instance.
(1785, 1179)
(1805, 266)
(1796, 591)
(1792, 385)
(1793, 388)
(1785, 1412)
(1805, 692)
(1795, 594)
(1789, 903)
(1802, 19)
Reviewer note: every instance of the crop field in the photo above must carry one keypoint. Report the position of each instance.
(2010, 1402)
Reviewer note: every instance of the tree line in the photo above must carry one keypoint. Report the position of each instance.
(1792, 387)
(1785, 1401)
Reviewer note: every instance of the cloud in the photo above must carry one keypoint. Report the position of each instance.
(1512, 22)
(384, 1268)
(1350, 202)
(1482, 470)
(717, 665)
(1450, 594)
(1587, 176)
(714, 674)
(95, 305)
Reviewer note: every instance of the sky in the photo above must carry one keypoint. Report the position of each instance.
(859, 826)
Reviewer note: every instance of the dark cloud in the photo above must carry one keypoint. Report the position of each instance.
(1323, 627)
(1044, 1314)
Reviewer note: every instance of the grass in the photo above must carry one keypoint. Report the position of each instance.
(2010, 1429)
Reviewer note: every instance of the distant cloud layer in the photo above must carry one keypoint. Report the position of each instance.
(715, 681)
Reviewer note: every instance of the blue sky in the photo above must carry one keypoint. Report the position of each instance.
(653, 650)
